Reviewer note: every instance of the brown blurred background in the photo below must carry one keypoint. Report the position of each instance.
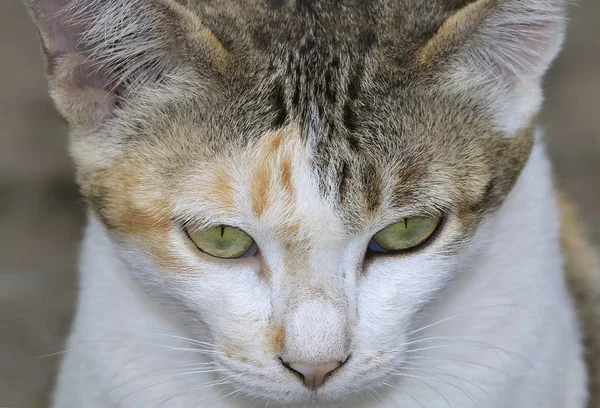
(41, 213)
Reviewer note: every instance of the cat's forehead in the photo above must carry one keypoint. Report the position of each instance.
(363, 126)
(363, 147)
(410, 162)
(361, 25)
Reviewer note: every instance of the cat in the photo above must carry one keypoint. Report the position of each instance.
(333, 203)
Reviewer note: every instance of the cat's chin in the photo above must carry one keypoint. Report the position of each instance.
(295, 397)
(348, 389)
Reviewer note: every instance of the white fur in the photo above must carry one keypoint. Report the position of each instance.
(492, 326)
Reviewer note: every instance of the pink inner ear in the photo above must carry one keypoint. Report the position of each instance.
(83, 91)
(507, 40)
(90, 64)
(535, 40)
(523, 39)
(86, 75)
(63, 46)
(90, 95)
(58, 29)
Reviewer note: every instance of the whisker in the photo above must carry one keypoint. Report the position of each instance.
(419, 380)
(473, 343)
(57, 353)
(462, 380)
(466, 362)
(185, 339)
(464, 314)
(404, 392)
(149, 355)
(140, 343)
(234, 392)
(177, 372)
(433, 376)
(224, 381)
(210, 384)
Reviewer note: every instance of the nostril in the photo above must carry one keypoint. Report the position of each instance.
(313, 375)
(296, 373)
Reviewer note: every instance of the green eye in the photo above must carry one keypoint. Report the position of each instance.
(405, 234)
(223, 242)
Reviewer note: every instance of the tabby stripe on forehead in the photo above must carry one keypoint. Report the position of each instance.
(330, 87)
(276, 4)
(354, 84)
(279, 106)
(349, 118)
(297, 87)
(353, 90)
(372, 188)
(343, 175)
(305, 5)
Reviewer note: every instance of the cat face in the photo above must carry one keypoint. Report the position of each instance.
(312, 292)
(248, 160)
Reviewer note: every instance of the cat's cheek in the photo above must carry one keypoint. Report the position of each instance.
(230, 296)
(391, 294)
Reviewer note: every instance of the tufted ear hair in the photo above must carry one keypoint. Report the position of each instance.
(98, 53)
(502, 47)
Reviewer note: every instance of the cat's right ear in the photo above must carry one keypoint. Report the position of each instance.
(499, 50)
(101, 53)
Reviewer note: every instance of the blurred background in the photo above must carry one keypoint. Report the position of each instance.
(41, 213)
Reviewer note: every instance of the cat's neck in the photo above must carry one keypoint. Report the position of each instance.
(503, 335)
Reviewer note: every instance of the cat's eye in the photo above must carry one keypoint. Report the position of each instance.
(405, 234)
(223, 241)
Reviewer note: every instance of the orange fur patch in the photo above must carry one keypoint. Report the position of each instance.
(218, 53)
(286, 176)
(260, 188)
(275, 143)
(291, 230)
(268, 161)
(276, 338)
(222, 191)
(133, 205)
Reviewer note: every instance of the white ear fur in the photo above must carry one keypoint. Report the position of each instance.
(97, 51)
(518, 39)
(503, 48)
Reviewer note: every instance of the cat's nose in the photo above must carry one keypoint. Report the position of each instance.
(313, 375)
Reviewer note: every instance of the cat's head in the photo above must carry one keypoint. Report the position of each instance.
(298, 179)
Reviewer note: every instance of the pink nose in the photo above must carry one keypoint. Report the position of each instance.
(314, 375)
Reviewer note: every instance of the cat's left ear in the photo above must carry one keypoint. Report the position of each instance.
(500, 49)
(102, 54)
